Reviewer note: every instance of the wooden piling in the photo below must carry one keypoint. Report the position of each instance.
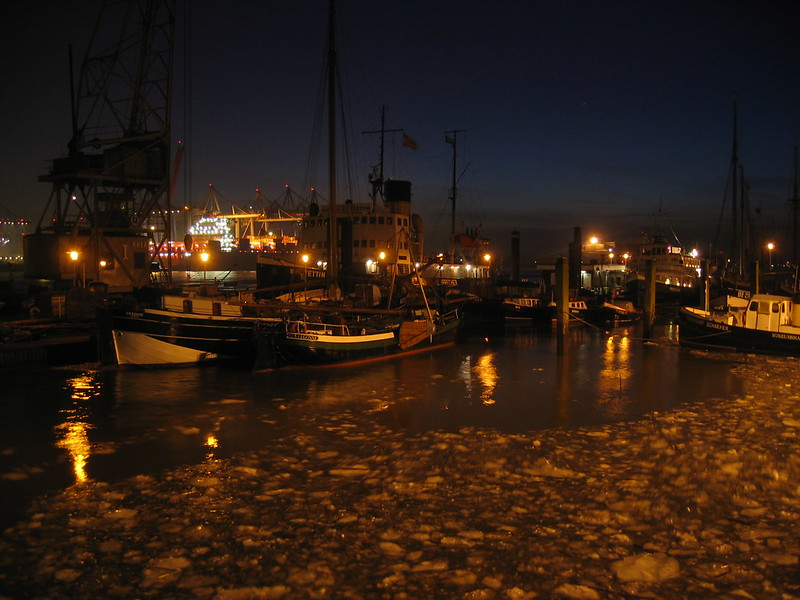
(649, 312)
(562, 303)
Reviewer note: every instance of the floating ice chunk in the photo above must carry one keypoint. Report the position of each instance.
(187, 430)
(354, 471)
(252, 471)
(231, 401)
(110, 546)
(576, 592)
(758, 533)
(778, 558)
(544, 468)
(122, 514)
(430, 565)
(14, 476)
(462, 577)
(742, 594)
(173, 563)
(392, 549)
(206, 481)
(516, 593)
(67, 575)
(646, 567)
(253, 593)
(454, 542)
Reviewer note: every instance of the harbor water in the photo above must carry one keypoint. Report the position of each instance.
(85, 440)
(70, 425)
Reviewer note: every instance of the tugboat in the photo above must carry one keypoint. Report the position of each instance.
(765, 324)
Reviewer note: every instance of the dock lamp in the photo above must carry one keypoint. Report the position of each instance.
(770, 248)
(204, 260)
(305, 259)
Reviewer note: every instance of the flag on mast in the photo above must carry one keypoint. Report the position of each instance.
(409, 142)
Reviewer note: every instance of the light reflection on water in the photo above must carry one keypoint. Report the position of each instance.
(73, 434)
(61, 429)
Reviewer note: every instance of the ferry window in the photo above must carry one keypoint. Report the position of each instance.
(380, 220)
(372, 243)
(355, 244)
(388, 220)
(775, 307)
(372, 220)
(363, 243)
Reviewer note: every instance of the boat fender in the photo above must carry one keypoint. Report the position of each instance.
(34, 312)
(303, 328)
(293, 327)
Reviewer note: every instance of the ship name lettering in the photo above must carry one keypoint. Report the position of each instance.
(303, 336)
(785, 336)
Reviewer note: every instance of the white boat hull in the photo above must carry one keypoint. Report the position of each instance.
(140, 349)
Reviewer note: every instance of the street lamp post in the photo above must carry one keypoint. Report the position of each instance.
(770, 248)
(75, 256)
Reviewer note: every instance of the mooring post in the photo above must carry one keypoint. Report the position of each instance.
(755, 276)
(649, 298)
(562, 303)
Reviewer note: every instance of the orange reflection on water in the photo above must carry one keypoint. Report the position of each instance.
(486, 372)
(614, 374)
(74, 431)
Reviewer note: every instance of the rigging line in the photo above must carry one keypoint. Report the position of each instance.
(352, 187)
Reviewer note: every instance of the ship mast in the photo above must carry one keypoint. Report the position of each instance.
(453, 141)
(333, 254)
(737, 248)
(795, 200)
(377, 182)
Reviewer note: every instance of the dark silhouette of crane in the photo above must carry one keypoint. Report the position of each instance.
(108, 214)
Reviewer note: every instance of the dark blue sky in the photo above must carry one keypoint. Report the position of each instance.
(576, 113)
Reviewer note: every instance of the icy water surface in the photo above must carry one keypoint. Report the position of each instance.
(69, 426)
(495, 469)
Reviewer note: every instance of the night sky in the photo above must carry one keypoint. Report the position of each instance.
(576, 113)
